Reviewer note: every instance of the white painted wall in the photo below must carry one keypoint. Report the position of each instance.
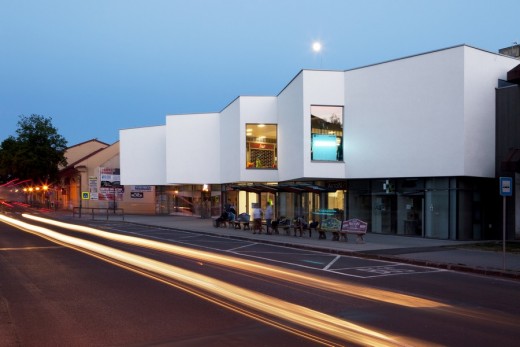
(320, 88)
(426, 115)
(405, 118)
(193, 149)
(479, 108)
(230, 132)
(290, 130)
(142, 156)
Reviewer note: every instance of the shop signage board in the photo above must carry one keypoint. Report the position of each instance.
(137, 195)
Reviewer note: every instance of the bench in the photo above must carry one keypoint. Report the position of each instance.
(353, 226)
(283, 223)
(301, 226)
(331, 225)
(242, 221)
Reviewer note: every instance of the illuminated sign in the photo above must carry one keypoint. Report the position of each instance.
(324, 147)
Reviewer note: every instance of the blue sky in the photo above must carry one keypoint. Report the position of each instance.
(97, 66)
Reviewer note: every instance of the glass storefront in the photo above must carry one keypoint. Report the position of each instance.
(440, 208)
(291, 200)
(189, 200)
(460, 208)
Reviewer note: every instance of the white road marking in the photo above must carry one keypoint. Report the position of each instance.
(370, 271)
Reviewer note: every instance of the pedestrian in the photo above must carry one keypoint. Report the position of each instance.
(268, 216)
(257, 219)
(232, 209)
(227, 205)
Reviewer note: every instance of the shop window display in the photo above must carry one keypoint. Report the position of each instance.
(261, 146)
(327, 133)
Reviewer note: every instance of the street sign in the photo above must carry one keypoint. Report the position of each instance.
(137, 195)
(85, 195)
(506, 186)
(506, 189)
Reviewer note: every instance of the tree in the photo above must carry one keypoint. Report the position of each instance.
(35, 154)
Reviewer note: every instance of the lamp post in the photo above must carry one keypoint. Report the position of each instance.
(31, 196)
(45, 189)
(206, 202)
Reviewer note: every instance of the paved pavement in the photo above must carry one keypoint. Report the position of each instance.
(454, 255)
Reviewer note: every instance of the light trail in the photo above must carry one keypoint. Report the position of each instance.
(273, 271)
(294, 276)
(293, 314)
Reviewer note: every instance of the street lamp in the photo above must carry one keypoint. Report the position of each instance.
(45, 189)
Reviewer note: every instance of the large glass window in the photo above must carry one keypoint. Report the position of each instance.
(261, 146)
(327, 133)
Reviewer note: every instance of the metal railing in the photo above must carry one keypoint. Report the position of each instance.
(98, 211)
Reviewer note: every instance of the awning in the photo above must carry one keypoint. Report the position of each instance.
(289, 188)
(255, 188)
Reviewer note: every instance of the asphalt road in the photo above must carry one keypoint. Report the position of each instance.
(55, 295)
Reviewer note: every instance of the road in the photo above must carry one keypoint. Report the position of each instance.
(167, 287)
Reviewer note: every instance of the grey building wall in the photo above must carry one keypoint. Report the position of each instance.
(508, 151)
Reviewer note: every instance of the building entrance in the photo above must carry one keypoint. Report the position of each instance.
(384, 214)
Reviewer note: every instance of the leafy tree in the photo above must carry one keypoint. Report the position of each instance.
(35, 153)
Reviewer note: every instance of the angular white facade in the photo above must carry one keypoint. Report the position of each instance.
(429, 115)
(192, 148)
(142, 155)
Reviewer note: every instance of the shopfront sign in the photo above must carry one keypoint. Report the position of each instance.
(257, 145)
(338, 185)
(136, 195)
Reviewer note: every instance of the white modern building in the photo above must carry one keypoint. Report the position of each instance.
(407, 145)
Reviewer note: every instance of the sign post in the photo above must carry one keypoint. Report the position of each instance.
(506, 189)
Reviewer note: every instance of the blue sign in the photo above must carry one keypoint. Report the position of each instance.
(506, 186)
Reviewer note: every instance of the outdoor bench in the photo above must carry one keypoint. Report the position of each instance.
(302, 226)
(331, 225)
(238, 224)
(242, 221)
(283, 223)
(353, 226)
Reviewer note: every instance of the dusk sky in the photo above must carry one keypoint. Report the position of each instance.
(97, 67)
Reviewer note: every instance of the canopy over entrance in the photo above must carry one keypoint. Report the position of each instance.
(283, 187)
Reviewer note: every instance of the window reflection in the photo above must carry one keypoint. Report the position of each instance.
(261, 146)
(327, 133)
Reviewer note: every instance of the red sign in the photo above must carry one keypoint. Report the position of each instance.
(261, 145)
(354, 225)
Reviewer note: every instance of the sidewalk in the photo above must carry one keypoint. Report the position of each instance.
(453, 255)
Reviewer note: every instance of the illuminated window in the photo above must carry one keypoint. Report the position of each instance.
(327, 133)
(261, 146)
